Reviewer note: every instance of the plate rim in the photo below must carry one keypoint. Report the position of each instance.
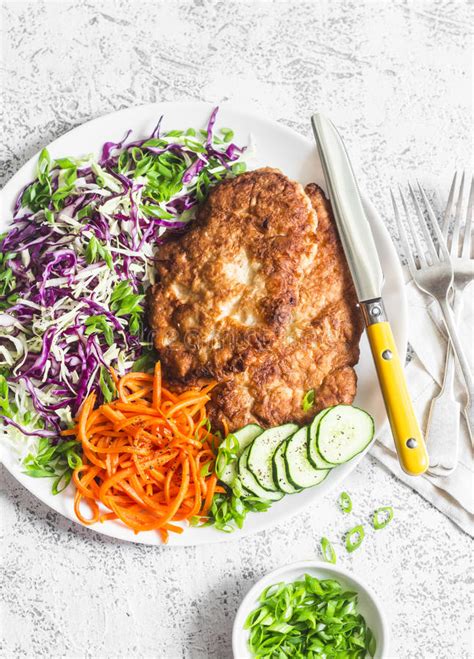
(401, 338)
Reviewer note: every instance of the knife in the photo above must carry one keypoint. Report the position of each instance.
(362, 258)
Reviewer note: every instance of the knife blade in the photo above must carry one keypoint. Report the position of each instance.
(355, 233)
(364, 263)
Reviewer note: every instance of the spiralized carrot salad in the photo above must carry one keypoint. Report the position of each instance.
(148, 456)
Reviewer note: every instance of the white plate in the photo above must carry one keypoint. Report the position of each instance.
(276, 146)
(368, 604)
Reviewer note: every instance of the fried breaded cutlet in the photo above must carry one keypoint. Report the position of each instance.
(228, 288)
(257, 295)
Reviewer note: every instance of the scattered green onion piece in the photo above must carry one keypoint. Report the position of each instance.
(107, 385)
(100, 325)
(84, 212)
(238, 168)
(64, 163)
(4, 398)
(49, 215)
(345, 502)
(205, 470)
(308, 400)
(354, 538)
(328, 551)
(146, 363)
(206, 424)
(44, 162)
(228, 452)
(227, 134)
(382, 517)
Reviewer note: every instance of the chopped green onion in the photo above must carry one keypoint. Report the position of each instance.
(345, 502)
(229, 511)
(205, 470)
(238, 168)
(308, 400)
(227, 134)
(308, 618)
(125, 302)
(146, 363)
(382, 517)
(4, 397)
(49, 215)
(95, 250)
(54, 461)
(107, 385)
(100, 325)
(206, 424)
(44, 162)
(354, 538)
(64, 163)
(228, 452)
(328, 551)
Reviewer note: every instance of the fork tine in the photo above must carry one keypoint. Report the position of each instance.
(466, 246)
(449, 209)
(443, 249)
(429, 240)
(414, 233)
(457, 221)
(403, 238)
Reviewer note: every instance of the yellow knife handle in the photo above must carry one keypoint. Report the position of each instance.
(406, 432)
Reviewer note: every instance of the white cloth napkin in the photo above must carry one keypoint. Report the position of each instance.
(452, 495)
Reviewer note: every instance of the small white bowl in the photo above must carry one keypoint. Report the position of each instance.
(368, 604)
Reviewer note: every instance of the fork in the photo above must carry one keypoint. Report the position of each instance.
(443, 456)
(432, 271)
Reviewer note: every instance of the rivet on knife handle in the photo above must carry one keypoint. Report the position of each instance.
(406, 432)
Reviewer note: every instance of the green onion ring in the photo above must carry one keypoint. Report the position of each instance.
(382, 517)
(354, 538)
(345, 502)
(328, 551)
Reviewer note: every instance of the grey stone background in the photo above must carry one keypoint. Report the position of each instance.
(396, 77)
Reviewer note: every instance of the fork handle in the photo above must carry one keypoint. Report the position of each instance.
(460, 354)
(406, 432)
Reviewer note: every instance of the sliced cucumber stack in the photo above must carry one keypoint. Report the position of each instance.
(314, 455)
(301, 472)
(244, 436)
(251, 484)
(288, 459)
(261, 451)
(343, 432)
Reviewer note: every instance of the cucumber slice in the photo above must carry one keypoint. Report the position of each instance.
(245, 436)
(344, 432)
(280, 476)
(300, 471)
(250, 483)
(314, 455)
(261, 452)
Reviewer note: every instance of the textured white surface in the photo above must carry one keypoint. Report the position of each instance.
(397, 78)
